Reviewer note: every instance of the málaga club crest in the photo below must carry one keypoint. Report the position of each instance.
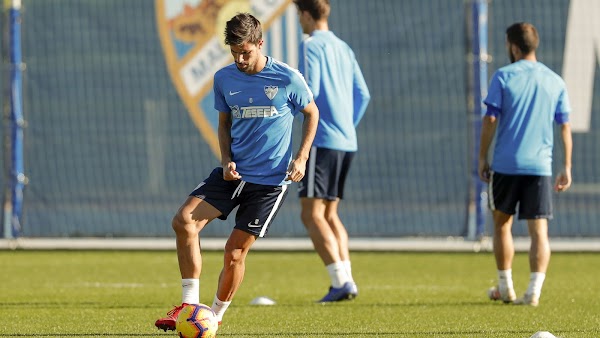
(191, 34)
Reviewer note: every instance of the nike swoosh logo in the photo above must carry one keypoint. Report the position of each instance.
(233, 93)
(250, 225)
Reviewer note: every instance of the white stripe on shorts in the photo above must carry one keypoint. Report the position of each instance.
(312, 163)
(238, 189)
(275, 207)
(491, 192)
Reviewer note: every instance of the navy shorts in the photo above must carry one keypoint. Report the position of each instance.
(258, 204)
(532, 193)
(326, 174)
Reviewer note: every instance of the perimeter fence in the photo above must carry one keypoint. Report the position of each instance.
(118, 132)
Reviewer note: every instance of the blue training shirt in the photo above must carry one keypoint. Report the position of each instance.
(341, 94)
(263, 107)
(527, 97)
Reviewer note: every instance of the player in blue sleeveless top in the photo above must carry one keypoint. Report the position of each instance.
(524, 100)
(334, 76)
(257, 98)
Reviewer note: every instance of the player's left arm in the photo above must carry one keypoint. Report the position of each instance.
(297, 167)
(563, 179)
(561, 116)
(361, 94)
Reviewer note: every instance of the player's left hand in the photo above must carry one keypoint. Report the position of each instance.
(296, 170)
(563, 181)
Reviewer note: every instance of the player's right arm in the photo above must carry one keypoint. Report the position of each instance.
(493, 101)
(488, 129)
(224, 134)
(224, 130)
(309, 65)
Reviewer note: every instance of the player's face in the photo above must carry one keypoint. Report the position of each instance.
(246, 56)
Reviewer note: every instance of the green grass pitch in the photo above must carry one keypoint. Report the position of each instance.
(122, 293)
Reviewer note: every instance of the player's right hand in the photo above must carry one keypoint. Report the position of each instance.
(229, 172)
(484, 171)
(296, 170)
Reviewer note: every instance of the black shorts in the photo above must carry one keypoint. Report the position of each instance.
(258, 204)
(532, 193)
(326, 174)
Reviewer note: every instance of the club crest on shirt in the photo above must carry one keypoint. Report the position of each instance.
(191, 35)
(271, 91)
(235, 112)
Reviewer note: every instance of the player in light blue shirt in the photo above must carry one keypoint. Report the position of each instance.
(527, 98)
(524, 101)
(333, 75)
(262, 107)
(335, 79)
(257, 98)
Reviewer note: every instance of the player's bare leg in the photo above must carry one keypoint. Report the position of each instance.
(504, 252)
(326, 244)
(539, 258)
(539, 253)
(319, 230)
(341, 235)
(338, 228)
(189, 220)
(234, 263)
(234, 267)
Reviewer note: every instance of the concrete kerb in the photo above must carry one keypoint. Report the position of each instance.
(410, 244)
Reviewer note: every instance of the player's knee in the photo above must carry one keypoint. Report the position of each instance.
(233, 256)
(306, 218)
(333, 218)
(312, 217)
(179, 224)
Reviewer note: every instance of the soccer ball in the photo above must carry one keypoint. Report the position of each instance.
(543, 334)
(197, 321)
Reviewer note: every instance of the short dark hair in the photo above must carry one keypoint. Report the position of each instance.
(523, 35)
(242, 28)
(318, 9)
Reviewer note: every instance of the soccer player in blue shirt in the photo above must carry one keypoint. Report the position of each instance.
(257, 98)
(333, 75)
(524, 99)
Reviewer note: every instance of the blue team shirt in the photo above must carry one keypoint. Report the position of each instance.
(263, 107)
(341, 94)
(527, 97)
